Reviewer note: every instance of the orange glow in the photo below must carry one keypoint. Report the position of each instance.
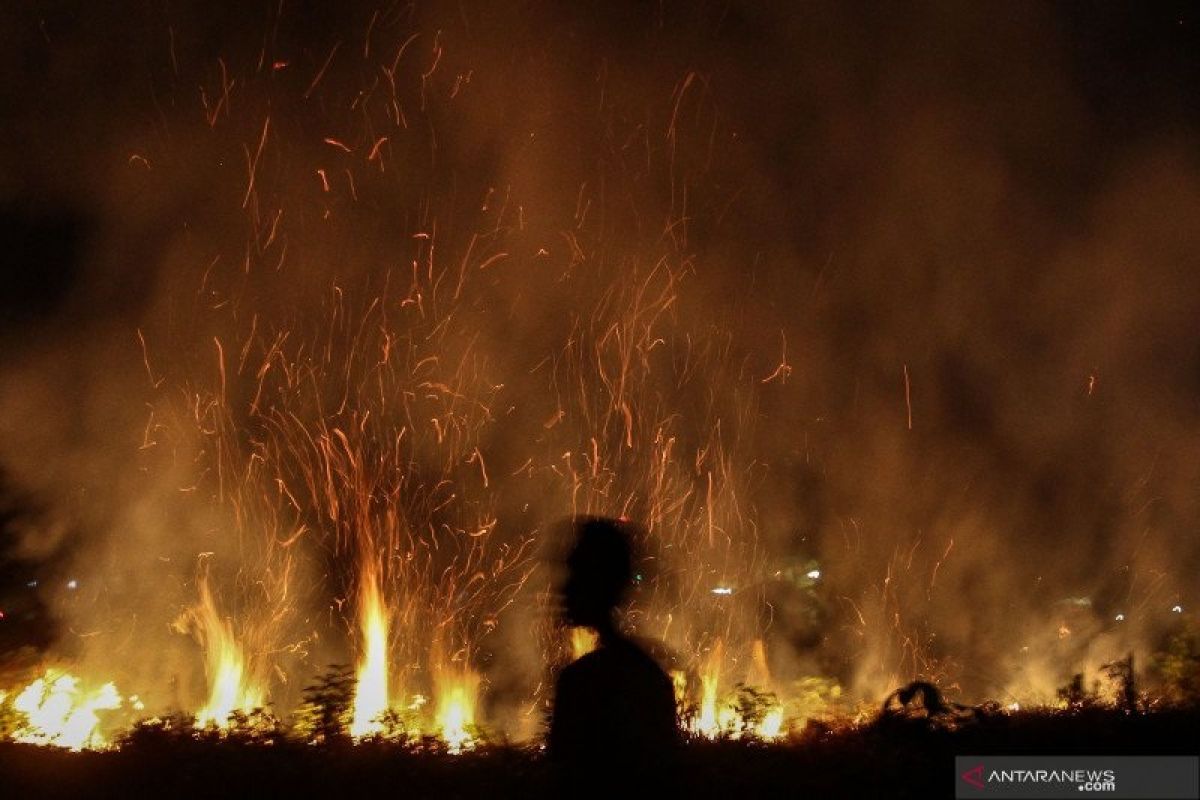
(371, 690)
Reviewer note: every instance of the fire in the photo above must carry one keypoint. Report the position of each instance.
(746, 712)
(60, 713)
(771, 726)
(710, 721)
(720, 717)
(707, 723)
(457, 697)
(371, 691)
(230, 687)
(679, 684)
(583, 641)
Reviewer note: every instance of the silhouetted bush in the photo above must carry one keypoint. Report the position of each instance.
(166, 758)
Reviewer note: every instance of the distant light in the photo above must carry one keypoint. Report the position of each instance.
(1177, 609)
(72, 584)
(1, 615)
(32, 584)
(637, 578)
(722, 590)
(814, 574)
(1014, 706)
(1120, 617)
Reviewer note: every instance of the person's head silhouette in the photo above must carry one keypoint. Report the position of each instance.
(599, 569)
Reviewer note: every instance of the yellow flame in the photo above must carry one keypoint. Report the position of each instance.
(583, 641)
(457, 696)
(760, 672)
(371, 690)
(720, 716)
(59, 713)
(708, 723)
(679, 682)
(230, 688)
(771, 726)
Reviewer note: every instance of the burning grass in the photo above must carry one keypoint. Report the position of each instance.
(893, 756)
(58, 710)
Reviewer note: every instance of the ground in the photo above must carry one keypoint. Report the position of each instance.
(898, 759)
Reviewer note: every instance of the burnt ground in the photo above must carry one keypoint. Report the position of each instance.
(899, 758)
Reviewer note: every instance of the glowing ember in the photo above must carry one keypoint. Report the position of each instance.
(60, 713)
(371, 692)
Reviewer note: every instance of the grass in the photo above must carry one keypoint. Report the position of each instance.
(896, 756)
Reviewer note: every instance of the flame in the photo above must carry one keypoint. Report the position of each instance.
(457, 698)
(230, 689)
(708, 723)
(760, 674)
(583, 641)
(771, 726)
(679, 683)
(720, 715)
(59, 713)
(371, 691)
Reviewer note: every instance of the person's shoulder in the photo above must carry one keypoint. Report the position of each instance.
(635, 656)
(584, 666)
(634, 648)
(622, 655)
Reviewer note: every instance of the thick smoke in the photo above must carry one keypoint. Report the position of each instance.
(921, 284)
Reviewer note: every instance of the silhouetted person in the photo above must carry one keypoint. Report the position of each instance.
(614, 725)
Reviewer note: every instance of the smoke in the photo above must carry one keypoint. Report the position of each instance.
(906, 295)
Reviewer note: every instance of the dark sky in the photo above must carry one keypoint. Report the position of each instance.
(76, 78)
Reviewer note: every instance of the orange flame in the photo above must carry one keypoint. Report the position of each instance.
(371, 692)
(456, 703)
(230, 688)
